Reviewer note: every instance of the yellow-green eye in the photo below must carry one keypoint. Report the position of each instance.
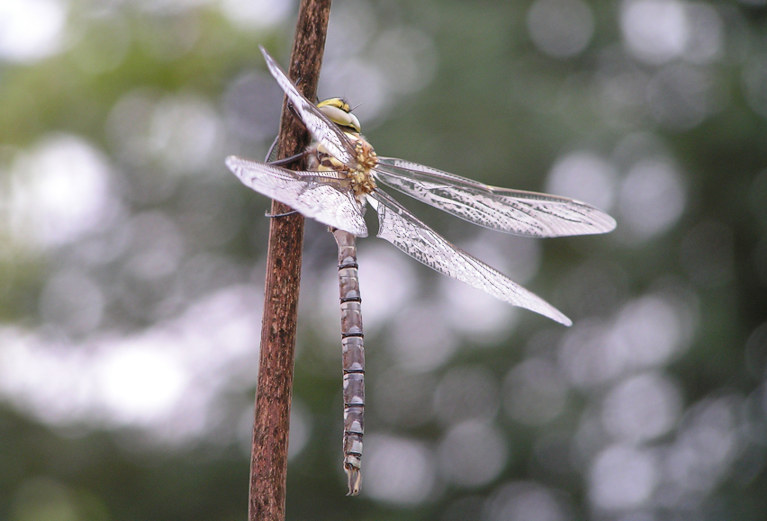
(339, 112)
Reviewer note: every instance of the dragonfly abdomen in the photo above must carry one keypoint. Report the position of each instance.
(353, 358)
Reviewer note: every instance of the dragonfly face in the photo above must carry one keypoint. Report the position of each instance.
(343, 176)
(358, 174)
(339, 112)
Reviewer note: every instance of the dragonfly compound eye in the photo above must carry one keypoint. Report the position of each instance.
(338, 111)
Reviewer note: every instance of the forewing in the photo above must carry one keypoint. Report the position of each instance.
(401, 228)
(318, 195)
(321, 128)
(511, 211)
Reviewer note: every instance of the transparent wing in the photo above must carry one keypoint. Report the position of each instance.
(321, 128)
(401, 228)
(318, 195)
(512, 211)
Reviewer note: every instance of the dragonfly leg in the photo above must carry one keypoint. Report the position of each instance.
(283, 214)
(271, 161)
(283, 161)
(287, 160)
(272, 150)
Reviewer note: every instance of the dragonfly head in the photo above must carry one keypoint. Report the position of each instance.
(339, 112)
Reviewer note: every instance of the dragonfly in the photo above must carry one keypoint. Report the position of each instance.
(343, 176)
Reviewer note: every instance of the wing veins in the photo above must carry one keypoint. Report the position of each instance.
(321, 128)
(321, 195)
(405, 231)
(501, 209)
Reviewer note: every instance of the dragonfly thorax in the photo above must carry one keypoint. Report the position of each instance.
(358, 174)
(360, 177)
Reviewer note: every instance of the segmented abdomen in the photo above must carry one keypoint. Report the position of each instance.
(353, 358)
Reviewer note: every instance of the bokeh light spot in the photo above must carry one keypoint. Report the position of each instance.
(60, 191)
(584, 176)
(398, 470)
(31, 29)
(525, 501)
(256, 15)
(560, 28)
(643, 407)
(622, 478)
(472, 454)
(652, 198)
(655, 31)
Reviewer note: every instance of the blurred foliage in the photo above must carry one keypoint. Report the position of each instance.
(131, 262)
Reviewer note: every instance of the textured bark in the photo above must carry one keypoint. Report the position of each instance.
(269, 457)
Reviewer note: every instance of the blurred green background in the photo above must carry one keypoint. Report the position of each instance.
(132, 262)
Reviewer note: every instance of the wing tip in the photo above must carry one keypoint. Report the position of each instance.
(598, 223)
(549, 311)
(235, 163)
(562, 319)
(536, 304)
(273, 66)
(603, 222)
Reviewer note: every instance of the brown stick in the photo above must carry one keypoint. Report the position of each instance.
(269, 456)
